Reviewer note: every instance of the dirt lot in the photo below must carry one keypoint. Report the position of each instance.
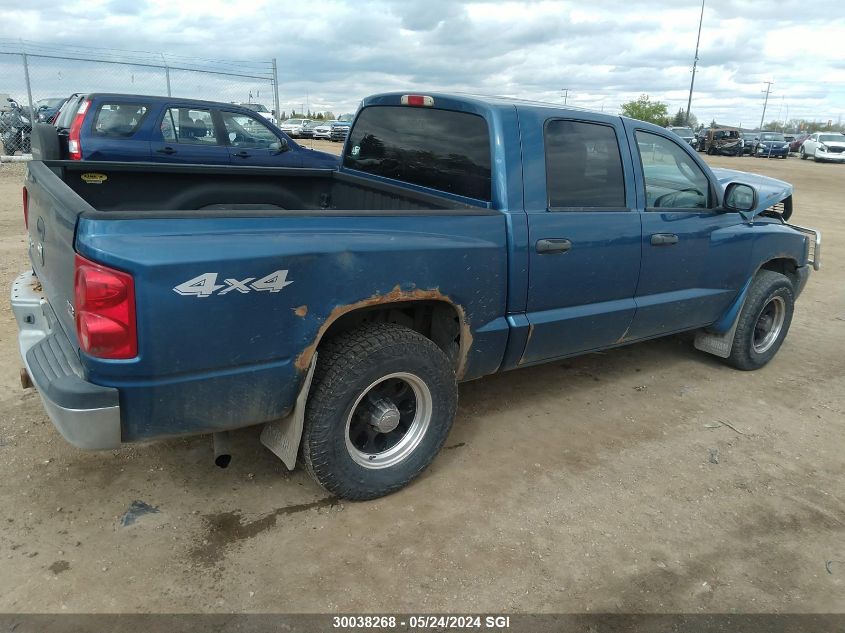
(583, 485)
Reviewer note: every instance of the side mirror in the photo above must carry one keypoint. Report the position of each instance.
(740, 197)
(280, 147)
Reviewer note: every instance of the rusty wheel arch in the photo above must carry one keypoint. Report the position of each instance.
(398, 298)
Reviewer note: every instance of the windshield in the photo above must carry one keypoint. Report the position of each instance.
(832, 137)
(770, 136)
(255, 107)
(293, 122)
(682, 131)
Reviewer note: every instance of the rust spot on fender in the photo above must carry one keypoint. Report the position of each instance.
(301, 311)
(303, 361)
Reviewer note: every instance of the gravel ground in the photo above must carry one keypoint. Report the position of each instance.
(583, 485)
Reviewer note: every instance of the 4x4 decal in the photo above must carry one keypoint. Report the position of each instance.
(206, 284)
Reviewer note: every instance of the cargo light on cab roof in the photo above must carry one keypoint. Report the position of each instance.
(417, 100)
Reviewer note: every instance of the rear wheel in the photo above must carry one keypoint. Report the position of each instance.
(382, 404)
(764, 321)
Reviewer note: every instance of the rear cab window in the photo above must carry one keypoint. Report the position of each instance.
(440, 149)
(118, 120)
(583, 166)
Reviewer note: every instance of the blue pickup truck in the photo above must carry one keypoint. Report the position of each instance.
(461, 236)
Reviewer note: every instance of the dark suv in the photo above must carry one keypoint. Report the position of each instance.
(124, 127)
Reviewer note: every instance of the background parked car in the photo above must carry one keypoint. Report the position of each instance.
(748, 142)
(46, 109)
(700, 136)
(323, 130)
(726, 141)
(307, 130)
(768, 144)
(293, 127)
(340, 130)
(824, 146)
(795, 145)
(685, 133)
(120, 127)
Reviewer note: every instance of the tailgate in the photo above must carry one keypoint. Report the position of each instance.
(53, 212)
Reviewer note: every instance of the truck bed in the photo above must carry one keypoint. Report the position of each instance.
(157, 190)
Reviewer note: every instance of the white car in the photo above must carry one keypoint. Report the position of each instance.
(293, 127)
(824, 146)
(324, 130)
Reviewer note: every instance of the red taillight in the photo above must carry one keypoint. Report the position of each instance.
(26, 208)
(417, 100)
(74, 146)
(104, 300)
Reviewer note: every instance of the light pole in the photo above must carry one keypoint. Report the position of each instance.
(695, 60)
(766, 102)
(565, 92)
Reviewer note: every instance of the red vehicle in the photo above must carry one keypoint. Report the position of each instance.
(795, 145)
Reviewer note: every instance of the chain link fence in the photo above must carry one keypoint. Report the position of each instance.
(38, 74)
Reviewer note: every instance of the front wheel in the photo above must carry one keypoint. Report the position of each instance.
(802, 154)
(382, 404)
(763, 322)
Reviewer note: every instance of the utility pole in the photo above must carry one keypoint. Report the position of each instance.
(565, 92)
(28, 89)
(166, 74)
(278, 113)
(695, 60)
(766, 102)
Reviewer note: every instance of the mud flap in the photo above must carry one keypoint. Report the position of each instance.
(717, 344)
(282, 436)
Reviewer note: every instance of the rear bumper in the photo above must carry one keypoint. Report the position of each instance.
(87, 415)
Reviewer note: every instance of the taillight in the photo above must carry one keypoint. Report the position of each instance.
(104, 300)
(74, 146)
(26, 208)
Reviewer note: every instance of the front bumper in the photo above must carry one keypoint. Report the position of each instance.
(87, 415)
(838, 157)
(762, 150)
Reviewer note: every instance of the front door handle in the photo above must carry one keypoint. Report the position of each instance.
(664, 239)
(242, 154)
(166, 150)
(553, 245)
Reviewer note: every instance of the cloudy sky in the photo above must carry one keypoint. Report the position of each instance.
(604, 52)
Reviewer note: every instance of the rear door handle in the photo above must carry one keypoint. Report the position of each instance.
(664, 239)
(242, 154)
(166, 150)
(553, 245)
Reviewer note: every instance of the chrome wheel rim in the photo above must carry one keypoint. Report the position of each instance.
(388, 420)
(769, 324)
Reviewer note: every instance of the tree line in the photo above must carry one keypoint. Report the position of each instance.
(644, 109)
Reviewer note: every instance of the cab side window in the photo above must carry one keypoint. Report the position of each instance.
(583, 166)
(247, 131)
(188, 125)
(673, 180)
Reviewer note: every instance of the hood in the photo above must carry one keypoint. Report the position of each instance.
(834, 143)
(770, 190)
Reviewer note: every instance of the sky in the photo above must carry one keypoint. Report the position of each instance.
(330, 54)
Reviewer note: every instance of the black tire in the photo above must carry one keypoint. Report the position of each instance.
(348, 367)
(802, 154)
(750, 349)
